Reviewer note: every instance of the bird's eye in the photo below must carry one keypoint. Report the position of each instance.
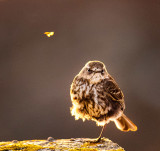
(102, 71)
(89, 70)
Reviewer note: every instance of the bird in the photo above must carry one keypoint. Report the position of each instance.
(96, 96)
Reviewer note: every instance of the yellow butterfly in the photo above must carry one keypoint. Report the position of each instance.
(49, 34)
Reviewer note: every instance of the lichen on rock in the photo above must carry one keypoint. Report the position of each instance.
(73, 144)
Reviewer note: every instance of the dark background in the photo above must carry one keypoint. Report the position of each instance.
(36, 71)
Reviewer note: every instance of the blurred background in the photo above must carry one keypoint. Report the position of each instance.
(36, 71)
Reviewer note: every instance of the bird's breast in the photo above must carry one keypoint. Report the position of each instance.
(84, 90)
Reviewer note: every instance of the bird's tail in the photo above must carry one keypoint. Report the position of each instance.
(125, 124)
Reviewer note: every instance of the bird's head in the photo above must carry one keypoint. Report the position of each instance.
(94, 71)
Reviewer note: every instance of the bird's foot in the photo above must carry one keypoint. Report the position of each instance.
(98, 140)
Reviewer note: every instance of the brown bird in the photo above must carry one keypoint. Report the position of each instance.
(96, 96)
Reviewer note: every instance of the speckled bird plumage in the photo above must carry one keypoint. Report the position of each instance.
(96, 96)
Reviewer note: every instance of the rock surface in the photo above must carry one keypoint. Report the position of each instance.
(51, 144)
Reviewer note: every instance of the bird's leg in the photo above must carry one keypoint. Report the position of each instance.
(100, 136)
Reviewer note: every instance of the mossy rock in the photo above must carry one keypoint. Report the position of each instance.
(77, 144)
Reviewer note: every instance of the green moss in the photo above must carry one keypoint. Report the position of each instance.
(3, 143)
(20, 146)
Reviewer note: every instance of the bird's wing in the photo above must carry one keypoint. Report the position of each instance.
(113, 91)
